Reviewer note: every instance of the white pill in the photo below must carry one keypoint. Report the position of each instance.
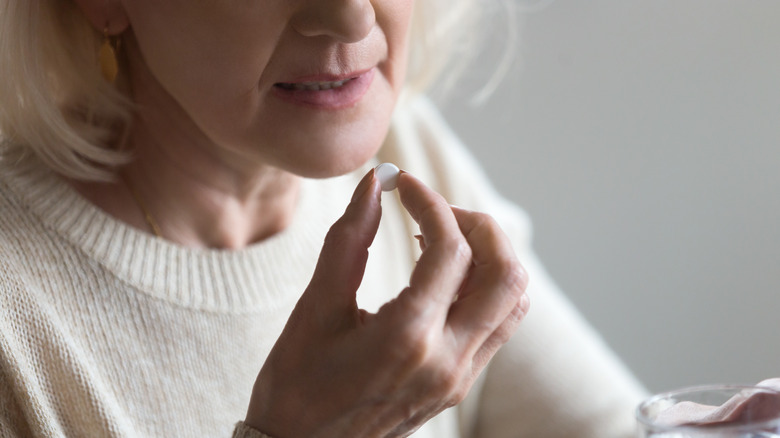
(387, 173)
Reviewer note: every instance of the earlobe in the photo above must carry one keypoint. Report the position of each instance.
(106, 16)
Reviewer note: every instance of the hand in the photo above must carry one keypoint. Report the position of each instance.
(339, 371)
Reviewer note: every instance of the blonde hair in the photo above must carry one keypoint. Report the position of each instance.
(54, 102)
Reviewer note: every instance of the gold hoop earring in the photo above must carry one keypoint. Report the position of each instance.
(109, 66)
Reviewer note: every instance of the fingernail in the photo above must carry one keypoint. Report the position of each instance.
(363, 185)
(420, 241)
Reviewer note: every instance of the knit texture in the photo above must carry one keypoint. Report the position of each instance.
(108, 331)
(244, 431)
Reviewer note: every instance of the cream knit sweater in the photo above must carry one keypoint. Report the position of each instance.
(109, 331)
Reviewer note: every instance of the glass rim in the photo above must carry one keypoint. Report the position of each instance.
(644, 420)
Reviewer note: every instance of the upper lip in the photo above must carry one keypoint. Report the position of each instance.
(325, 77)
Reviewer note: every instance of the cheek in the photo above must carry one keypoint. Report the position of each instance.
(395, 19)
(207, 60)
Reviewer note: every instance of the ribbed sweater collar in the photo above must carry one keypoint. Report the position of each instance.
(266, 275)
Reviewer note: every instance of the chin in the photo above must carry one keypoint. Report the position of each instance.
(332, 162)
(332, 152)
(316, 143)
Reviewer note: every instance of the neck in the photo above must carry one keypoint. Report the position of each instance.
(201, 192)
(197, 198)
(201, 200)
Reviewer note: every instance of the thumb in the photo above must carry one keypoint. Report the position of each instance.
(342, 261)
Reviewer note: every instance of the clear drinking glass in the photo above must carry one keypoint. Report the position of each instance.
(716, 411)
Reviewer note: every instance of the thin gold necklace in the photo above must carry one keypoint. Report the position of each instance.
(148, 216)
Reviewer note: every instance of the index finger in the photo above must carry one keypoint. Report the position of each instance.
(445, 262)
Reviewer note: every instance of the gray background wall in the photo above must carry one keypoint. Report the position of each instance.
(643, 136)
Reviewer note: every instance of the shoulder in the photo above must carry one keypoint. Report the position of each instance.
(21, 238)
(16, 224)
(13, 225)
(16, 248)
(36, 205)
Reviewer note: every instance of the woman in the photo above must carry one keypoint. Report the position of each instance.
(161, 231)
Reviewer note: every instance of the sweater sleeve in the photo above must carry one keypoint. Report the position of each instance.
(244, 431)
(556, 377)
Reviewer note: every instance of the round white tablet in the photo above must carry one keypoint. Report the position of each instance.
(387, 173)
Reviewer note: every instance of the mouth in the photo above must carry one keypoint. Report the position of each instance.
(329, 92)
(313, 86)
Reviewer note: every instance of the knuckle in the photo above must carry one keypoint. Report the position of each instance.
(445, 382)
(416, 353)
(485, 223)
(486, 220)
(485, 354)
(482, 327)
(415, 348)
(337, 234)
(506, 329)
(459, 249)
(458, 396)
(450, 385)
(430, 212)
(407, 306)
(513, 276)
(523, 306)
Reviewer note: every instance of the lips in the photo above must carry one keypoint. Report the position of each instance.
(327, 92)
(313, 86)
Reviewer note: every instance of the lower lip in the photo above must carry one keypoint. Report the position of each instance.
(346, 96)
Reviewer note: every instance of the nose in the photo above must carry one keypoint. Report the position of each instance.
(347, 21)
